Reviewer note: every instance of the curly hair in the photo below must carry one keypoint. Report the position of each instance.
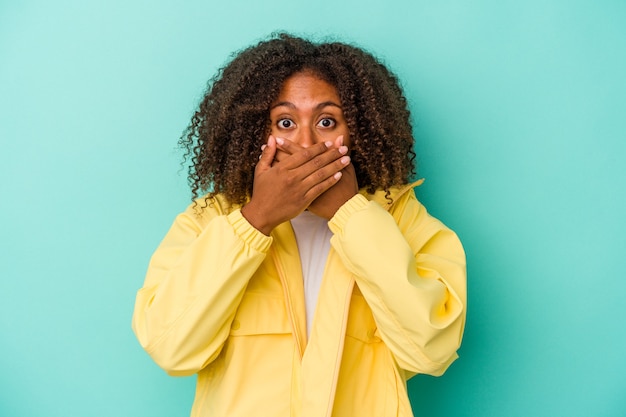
(223, 140)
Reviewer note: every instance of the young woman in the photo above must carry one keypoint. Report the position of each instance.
(307, 280)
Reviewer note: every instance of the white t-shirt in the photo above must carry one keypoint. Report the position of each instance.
(313, 238)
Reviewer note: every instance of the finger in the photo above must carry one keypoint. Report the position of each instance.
(291, 147)
(287, 146)
(267, 156)
(280, 155)
(282, 152)
(300, 155)
(321, 187)
(320, 175)
(323, 165)
(339, 141)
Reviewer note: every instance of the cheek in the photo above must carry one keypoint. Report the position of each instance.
(333, 134)
(346, 137)
(323, 135)
(285, 134)
(343, 130)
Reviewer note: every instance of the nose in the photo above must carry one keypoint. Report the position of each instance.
(306, 137)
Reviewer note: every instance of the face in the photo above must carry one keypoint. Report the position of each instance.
(308, 111)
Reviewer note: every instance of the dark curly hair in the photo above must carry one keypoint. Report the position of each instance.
(223, 140)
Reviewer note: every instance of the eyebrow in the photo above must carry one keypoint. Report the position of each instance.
(318, 107)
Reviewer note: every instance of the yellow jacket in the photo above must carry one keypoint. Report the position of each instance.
(224, 301)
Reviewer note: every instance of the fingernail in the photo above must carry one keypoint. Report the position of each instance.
(263, 147)
(328, 144)
(280, 141)
(337, 175)
(343, 150)
(340, 138)
(345, 160)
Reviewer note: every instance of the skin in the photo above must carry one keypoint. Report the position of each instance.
(305, 163)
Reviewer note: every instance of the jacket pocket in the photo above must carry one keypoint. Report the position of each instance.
(252, 374)
(361, 324)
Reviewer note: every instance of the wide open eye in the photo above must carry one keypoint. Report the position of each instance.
(327, 123)
(286, 124)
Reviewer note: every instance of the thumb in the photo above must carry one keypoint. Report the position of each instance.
(267, 157)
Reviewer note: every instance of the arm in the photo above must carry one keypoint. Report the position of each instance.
(283, 189)
(194, 284)
(411, 271)
(198, 275)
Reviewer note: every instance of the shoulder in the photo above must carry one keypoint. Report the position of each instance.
(206, 208)
(397, 197)
(408, 212)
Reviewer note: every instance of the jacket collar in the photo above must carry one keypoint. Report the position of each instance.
(380, 196)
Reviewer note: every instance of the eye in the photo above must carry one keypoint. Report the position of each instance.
(327, 123)
(285, 124)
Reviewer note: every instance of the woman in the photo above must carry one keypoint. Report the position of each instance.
(308, 280)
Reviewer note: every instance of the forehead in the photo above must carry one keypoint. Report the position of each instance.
(307, 87)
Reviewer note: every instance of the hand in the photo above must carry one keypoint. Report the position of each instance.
(283, 189)
(327, 204)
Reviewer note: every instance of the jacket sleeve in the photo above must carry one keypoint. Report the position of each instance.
(194, 284)
(411, 271)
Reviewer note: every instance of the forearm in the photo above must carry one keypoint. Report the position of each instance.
(416, 291)
(193, 287)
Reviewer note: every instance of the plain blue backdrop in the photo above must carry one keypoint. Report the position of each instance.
(519, 113)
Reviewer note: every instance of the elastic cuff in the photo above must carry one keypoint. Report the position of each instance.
(338, 221)
(248, 233)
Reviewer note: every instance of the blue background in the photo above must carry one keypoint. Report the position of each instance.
(520, 118)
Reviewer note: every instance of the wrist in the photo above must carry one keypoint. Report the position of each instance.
(259, 222)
